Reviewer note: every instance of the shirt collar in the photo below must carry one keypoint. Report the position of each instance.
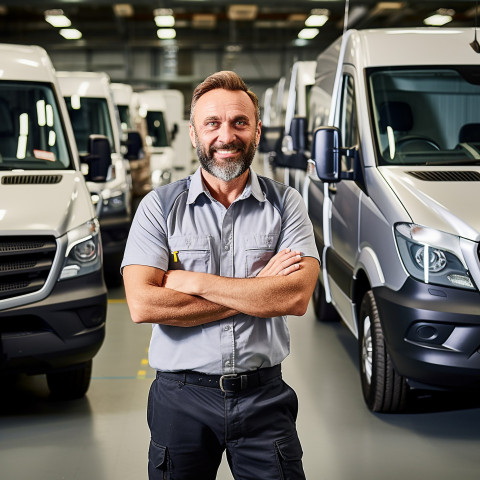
(197, 187)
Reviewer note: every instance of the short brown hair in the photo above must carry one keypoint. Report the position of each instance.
(226, 80)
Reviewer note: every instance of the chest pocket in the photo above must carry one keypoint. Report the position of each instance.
(190, 253)
(260, 248)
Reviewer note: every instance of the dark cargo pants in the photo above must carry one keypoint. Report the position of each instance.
(191, 426)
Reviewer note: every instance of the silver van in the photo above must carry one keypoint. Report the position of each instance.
(393, 189)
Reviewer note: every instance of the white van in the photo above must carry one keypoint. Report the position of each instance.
(53, 298)
(272, 111)
(159, 140)
(134, 133)
(288, 99)
(394, 202)
(295, 159)
(92, 111)
(185, 157)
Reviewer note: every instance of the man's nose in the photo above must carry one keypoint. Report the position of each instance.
(226, 133)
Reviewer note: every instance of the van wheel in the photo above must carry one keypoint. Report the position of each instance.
(384, 390)
(70, 384)
(324, 311)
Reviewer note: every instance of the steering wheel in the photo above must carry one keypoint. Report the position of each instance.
(411, 141)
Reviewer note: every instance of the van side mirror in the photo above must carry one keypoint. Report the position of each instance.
(326, 153)
(269, 138)
(99, 158)
(298, 132)
(134, 145)
(174, 131)
(296, 140)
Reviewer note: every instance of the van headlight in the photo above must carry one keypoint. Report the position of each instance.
(432, 256)
(84, 251)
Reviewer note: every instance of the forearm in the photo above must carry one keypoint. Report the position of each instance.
(261, 296)
(150, 302)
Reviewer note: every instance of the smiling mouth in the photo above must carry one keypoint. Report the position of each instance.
(227, 152)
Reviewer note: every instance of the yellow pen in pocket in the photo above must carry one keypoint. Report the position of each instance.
(175, 256)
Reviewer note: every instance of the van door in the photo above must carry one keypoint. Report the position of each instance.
(344, 219)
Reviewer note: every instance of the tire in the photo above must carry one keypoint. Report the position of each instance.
(70, 384)
(384, 390)
(324, 311)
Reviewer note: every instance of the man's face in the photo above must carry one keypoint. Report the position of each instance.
(224, 132)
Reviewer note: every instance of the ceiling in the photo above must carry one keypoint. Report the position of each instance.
(207, 24)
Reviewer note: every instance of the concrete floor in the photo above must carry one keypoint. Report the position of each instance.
(104, 436)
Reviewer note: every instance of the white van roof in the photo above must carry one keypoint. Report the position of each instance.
(85, 84)
(412, 46)
(122, 93)
(26, 62)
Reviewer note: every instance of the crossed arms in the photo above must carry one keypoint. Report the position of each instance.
(183, 298)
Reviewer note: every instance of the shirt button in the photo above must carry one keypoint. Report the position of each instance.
(226, 328)
(226, 247)
(227, 364)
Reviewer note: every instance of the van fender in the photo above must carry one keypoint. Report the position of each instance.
(368, 261)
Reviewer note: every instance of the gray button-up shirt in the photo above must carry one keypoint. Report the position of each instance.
(181, 226)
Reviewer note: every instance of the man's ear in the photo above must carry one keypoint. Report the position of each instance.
(191, 131)
(259, 130)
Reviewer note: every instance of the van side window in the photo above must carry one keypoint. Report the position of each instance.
(348, 117)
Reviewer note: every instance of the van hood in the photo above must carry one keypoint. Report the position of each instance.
(43, 203)
(444, 198)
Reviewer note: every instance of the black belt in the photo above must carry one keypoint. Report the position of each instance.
(230, 382)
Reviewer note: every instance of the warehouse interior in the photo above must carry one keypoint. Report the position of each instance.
(104, 435)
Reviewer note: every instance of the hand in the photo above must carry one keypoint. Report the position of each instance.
(282, 263)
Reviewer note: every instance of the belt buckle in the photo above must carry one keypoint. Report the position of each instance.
(229, 375)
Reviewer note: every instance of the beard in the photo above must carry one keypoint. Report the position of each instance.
(228, 170)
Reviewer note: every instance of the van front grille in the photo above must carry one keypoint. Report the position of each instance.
(446, 176)
(25, 263)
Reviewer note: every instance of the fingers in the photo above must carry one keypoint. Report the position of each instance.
(282, 263)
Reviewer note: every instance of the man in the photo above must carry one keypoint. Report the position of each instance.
(215, 262)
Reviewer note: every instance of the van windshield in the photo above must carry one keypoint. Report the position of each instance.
(31, 132)
(89, 116)
(426, 115)
(157, 129)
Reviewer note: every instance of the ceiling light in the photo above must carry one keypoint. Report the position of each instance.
(70, 33)
(308, 33)
(166, 33)
(242, 12)
(440, 17)
(164, 20)
(164, 17)
(204, 20)
(318, 18)
(56, 18)
(123, 10)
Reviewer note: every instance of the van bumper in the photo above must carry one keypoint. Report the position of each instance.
(432, 334)
(66, 328)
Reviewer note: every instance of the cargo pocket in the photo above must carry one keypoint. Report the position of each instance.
(289, 455)
(158, 462)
